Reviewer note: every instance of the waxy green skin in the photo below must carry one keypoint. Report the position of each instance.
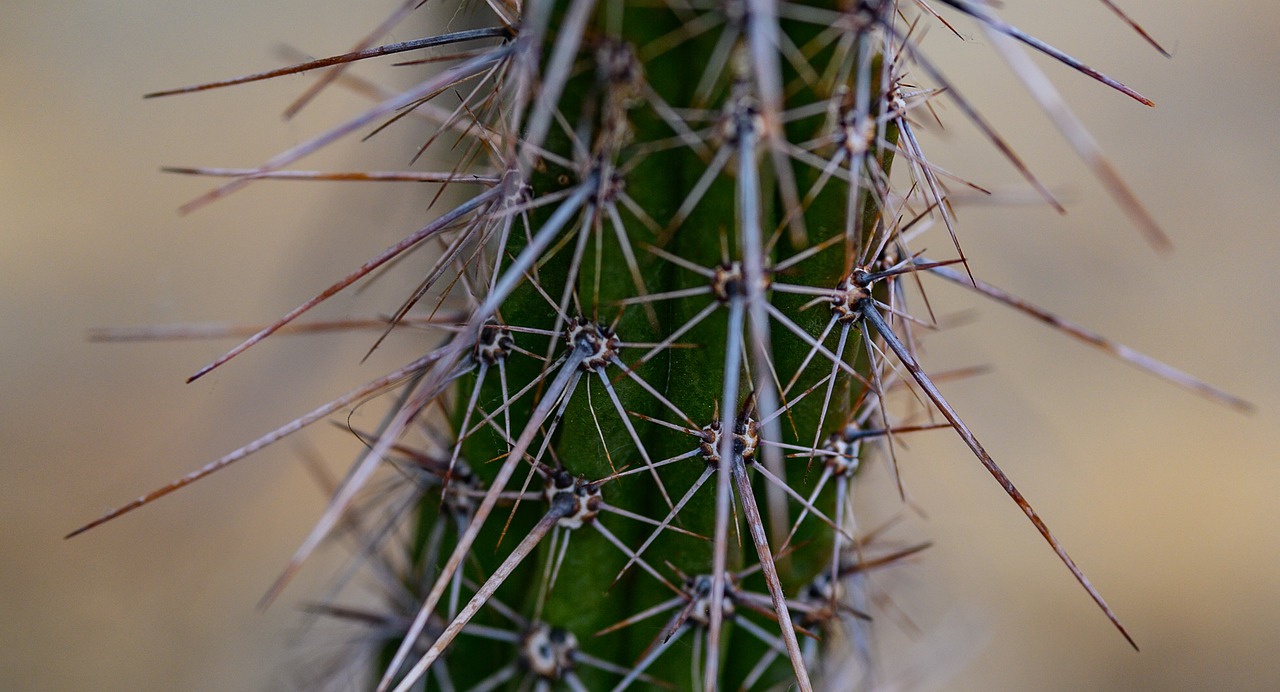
(584, 599)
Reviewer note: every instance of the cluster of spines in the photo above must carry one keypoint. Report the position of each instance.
(692, 204)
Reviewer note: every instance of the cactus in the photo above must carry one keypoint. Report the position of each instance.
(672, 315)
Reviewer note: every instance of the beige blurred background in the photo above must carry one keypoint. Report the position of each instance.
(1171, 504)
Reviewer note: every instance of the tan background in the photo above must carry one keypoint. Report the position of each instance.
(1169, 503)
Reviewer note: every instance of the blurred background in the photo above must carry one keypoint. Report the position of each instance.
(1170, 504)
